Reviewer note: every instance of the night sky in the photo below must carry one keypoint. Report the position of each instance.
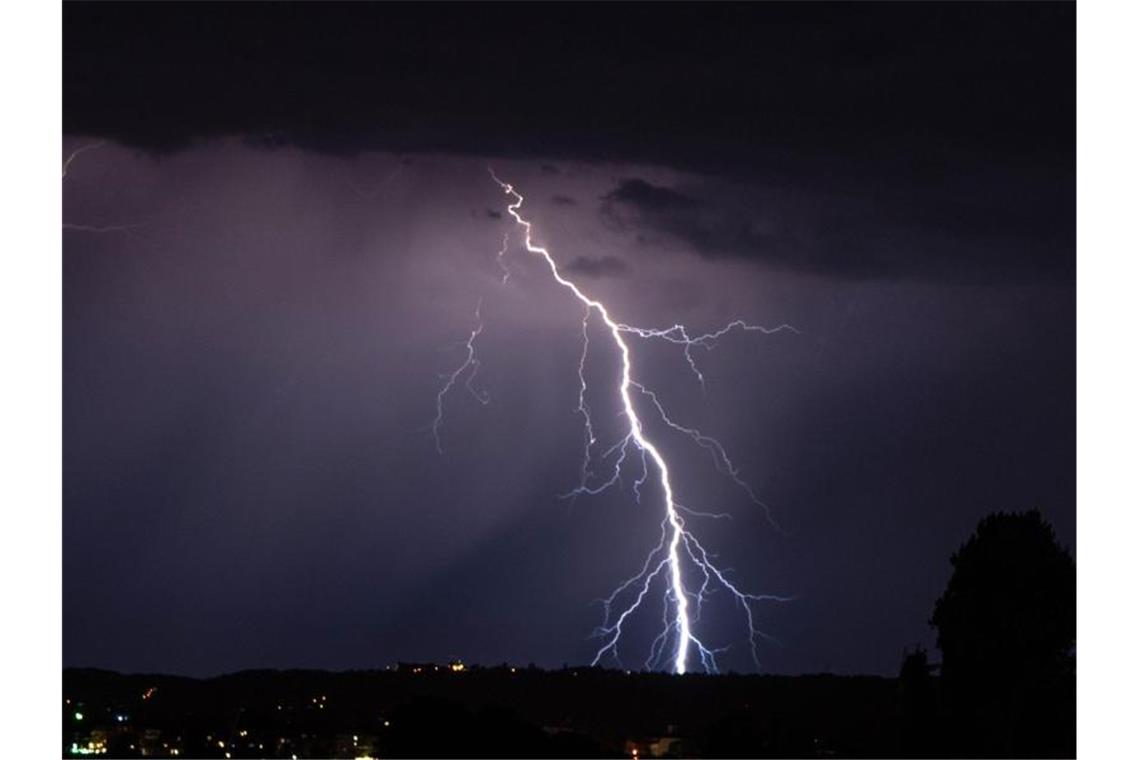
(307, 224)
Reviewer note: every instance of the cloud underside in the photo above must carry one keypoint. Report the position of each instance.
(907, 139)
(947, 235)
(599, 266)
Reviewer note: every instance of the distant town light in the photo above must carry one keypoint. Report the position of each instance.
(91, 748)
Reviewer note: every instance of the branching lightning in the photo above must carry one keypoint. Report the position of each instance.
(678, 553)
(470, 368)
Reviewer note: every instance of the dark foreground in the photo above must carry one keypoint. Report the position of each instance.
(445, 711)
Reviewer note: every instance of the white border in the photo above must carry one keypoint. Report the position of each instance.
(30, 368)
(1107, 378)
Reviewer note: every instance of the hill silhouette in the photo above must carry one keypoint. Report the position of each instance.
(1006, 687)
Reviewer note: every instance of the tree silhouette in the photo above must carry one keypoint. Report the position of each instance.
(917, 705)
(1007, 629)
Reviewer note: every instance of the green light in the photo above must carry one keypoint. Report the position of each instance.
(79, 716)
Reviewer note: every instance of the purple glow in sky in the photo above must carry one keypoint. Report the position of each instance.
(251, 374)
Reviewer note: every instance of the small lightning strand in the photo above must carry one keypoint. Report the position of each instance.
(75, 154)
(674, 534)
(588, 423)
(716, 450)
(499, 258)
(614, 631)
(96, 228)
(470, 363)
(678, 334)
(697, 513)
(472, 360)
(91, 227)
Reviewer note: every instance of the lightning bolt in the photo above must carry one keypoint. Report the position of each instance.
(678, 553)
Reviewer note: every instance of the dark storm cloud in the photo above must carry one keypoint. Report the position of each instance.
(492, 214)
(600, 266)
(959, 235)
(894, 103)
(563, 200)
(719, 83)
(650, 198)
